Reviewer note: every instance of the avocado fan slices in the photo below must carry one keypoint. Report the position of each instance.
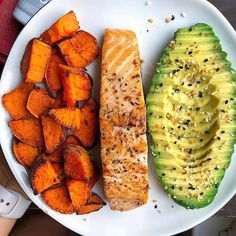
(191, 116)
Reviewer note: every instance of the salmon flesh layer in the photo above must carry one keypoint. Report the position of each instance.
(123, 122)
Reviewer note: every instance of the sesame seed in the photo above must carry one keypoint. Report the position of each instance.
(183, 14)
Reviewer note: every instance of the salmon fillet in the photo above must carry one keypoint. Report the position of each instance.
(123, 122)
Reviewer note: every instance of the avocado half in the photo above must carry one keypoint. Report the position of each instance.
(191, 116)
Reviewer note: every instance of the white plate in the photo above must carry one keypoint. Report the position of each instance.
(94, 16)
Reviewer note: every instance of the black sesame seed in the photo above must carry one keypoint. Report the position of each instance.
(222, 131)
(175, 142)
(155, 206)
(218, 138)
(190, 52)
(201, 140)
(190, 151)
(172, 17)
(222, 110)
(161, 84)
(201, 193)
(226, 101)
(200, 95)
(217, 69)
(198, 108)
(206, 60)
(173, 187)
(190, 85)
(198, 81)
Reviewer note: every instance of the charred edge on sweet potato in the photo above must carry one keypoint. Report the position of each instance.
(89, 128)
(80, 50)
(76, 83)
(54, 134)
(78, 164)
(16, 100)
(43, 175)
(24, 153)
(39, 101)
(58, 199)
(52, 75)
(65, 26)
(79, 192)
(28, 131)
(67, 117)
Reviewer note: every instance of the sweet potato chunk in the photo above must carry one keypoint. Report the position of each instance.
(25, 153)
(28, 131)
(87, 133)
(71, 139)
(79, 192)
(38, 102)
(80, 50)
(52, 75)
(16, 100)
(78, 164)
(96, 199)
(43, 176)
(58, 199)
(34, 61)
(58, 167)
(53, 133)
(89, 209)
(56, 156)
(58, 101)
(76, 84)
(68, 117)
(65, 26)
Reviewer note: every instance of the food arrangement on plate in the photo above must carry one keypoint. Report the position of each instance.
(190, 114)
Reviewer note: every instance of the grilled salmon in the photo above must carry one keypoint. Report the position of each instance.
(123, 122)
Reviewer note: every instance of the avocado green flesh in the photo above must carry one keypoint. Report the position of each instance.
(191, 116)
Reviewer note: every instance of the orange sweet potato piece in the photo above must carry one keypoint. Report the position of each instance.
(28, 131)
(87, 133)
(80, 50)
(25, 153)
(78, 164)
(56, 156)
(79, 192)
(71, 139)
(16, 100)
(58, 167)
(34, 61)
(52, 75)
(58, 101)
(68, 117)
(89, 209)
(54, 134)
(65, 26)
(58, 199)
(39, 101)
(96, 199)
(76, 84)
(43, 175)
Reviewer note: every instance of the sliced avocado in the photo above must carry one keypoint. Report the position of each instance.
(191, 116)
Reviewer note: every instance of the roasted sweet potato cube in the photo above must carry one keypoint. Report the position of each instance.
(58, 199)
(88, 131)
(43, 175)
(34, 61)
(56, 156)
(52, 75)
(16, 100)
(96, 199)
(54, 134)
(28, 131)
(89, 209)
(79, 192)
(65, 26)
(71, 139)
(80, 50)
(39, 101)
(68, 117)
(25, 154)
(78, 164)
(76, 84)
(58, 101)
